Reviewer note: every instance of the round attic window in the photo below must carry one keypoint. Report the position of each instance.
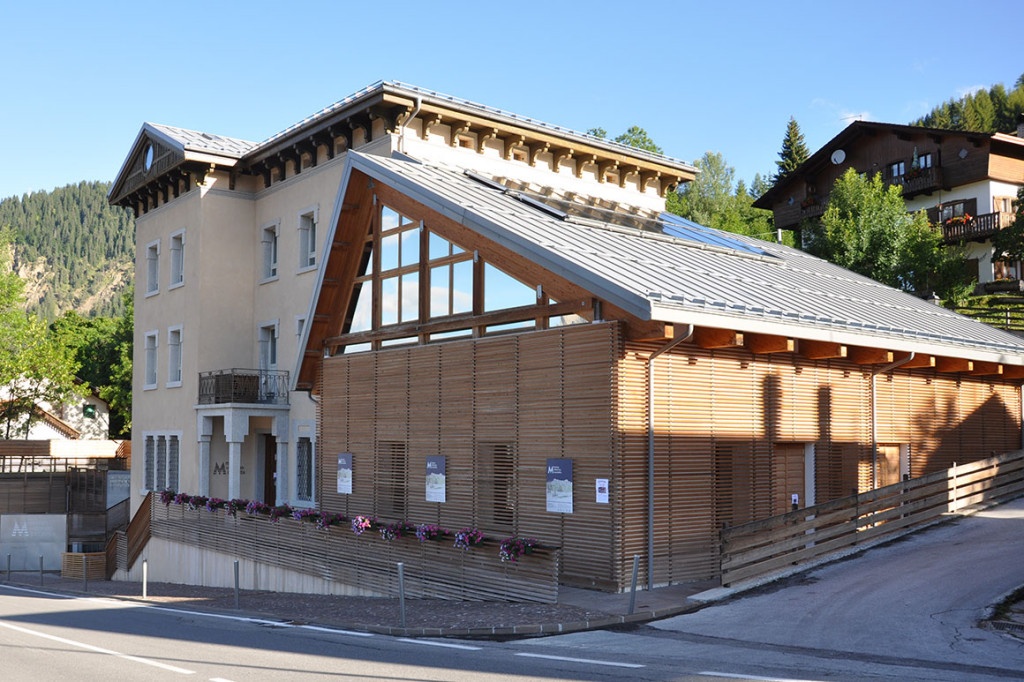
(147, 158)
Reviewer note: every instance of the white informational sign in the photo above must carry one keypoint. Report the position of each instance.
(559, 486)
(436, 481)
(601, 490)
(345, 473)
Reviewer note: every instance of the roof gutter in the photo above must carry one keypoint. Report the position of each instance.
(874, 414)
(650, 448)
(405, 123)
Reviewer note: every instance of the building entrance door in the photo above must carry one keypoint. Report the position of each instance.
(790, 477)
(269, 469)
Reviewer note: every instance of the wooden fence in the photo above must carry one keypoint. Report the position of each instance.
(74, 564)
(801, 536)
(433, 569)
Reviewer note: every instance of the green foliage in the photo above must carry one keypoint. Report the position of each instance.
(715, 199)
(866, 229)
(635, 136)
(117, 390)
(34, 368)
(1008, 243)
(985, 111)
(79, 244)
(794, 150)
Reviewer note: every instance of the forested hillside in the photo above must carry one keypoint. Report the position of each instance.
(72, 249)
(995, 110)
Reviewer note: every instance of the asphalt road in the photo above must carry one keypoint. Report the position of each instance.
(907, 611)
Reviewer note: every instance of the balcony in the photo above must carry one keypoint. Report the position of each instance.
(978, 228)
(919, 181)
(251, 386)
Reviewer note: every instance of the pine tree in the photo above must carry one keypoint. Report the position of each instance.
(794, 150)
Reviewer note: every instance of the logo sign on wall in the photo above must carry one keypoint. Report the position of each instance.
(559, 486)
(345, 473)
(436, 480)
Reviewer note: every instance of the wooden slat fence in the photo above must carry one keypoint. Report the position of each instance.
(73, 564)
(434, 569)
(776, 543)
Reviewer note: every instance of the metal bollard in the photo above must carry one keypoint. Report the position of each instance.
(632, 591)
(8, 568)
(40, 570)
(85, 575)
(401, 591)
(145, 577)
(236, 584)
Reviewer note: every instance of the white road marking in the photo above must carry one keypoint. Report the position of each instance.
(584, 660)
(448, 645)
(99, 650)
(117, 603)
(753, 678)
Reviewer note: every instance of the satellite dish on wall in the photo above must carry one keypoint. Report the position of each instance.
(838, 156)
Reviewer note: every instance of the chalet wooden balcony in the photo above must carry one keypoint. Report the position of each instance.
(978, 228)
(923, 181)
(252, 386)
(813, 207)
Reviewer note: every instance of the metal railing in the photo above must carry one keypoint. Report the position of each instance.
(1009, 317)
(254, 386)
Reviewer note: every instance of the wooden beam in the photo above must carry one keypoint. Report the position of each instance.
(986, 369)
(953, 365)
(920, 360)
(709, 337)
(651, 331)
(768, 343)
(1013, 372)
(821, 350)
(869, 356)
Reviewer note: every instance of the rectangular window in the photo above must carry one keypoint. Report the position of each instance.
(924, 161)
(392, 465)
(177, 259)
(161, 461)
(307, 239)
(897, 171)
(269, 244)
(496, 486)
(174, 356)
(304, 469)
(151, 347)
(153, 268)
(268, 345)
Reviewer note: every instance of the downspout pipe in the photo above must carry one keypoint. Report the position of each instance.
(405, 123)
(874, 414)
(650, 448)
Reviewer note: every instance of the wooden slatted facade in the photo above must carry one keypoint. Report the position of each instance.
(497, 409)
(736, 435)
(732, 430)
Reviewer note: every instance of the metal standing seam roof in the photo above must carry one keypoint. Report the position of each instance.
(648, 273)
(194, 140)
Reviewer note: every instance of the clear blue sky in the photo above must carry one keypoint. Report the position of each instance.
(81, 78)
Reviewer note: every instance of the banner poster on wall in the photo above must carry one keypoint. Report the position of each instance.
(345, 473)
(436, 478)
(559, 486)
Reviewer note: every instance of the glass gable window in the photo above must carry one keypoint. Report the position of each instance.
(413, 280)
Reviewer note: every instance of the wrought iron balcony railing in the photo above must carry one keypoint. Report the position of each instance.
(254, 386)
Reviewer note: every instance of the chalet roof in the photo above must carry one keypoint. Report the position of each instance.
(391, 101)
(751, 286)
(195, 141)
(860, 129)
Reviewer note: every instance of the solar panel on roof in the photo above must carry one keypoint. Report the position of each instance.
(678, 226)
